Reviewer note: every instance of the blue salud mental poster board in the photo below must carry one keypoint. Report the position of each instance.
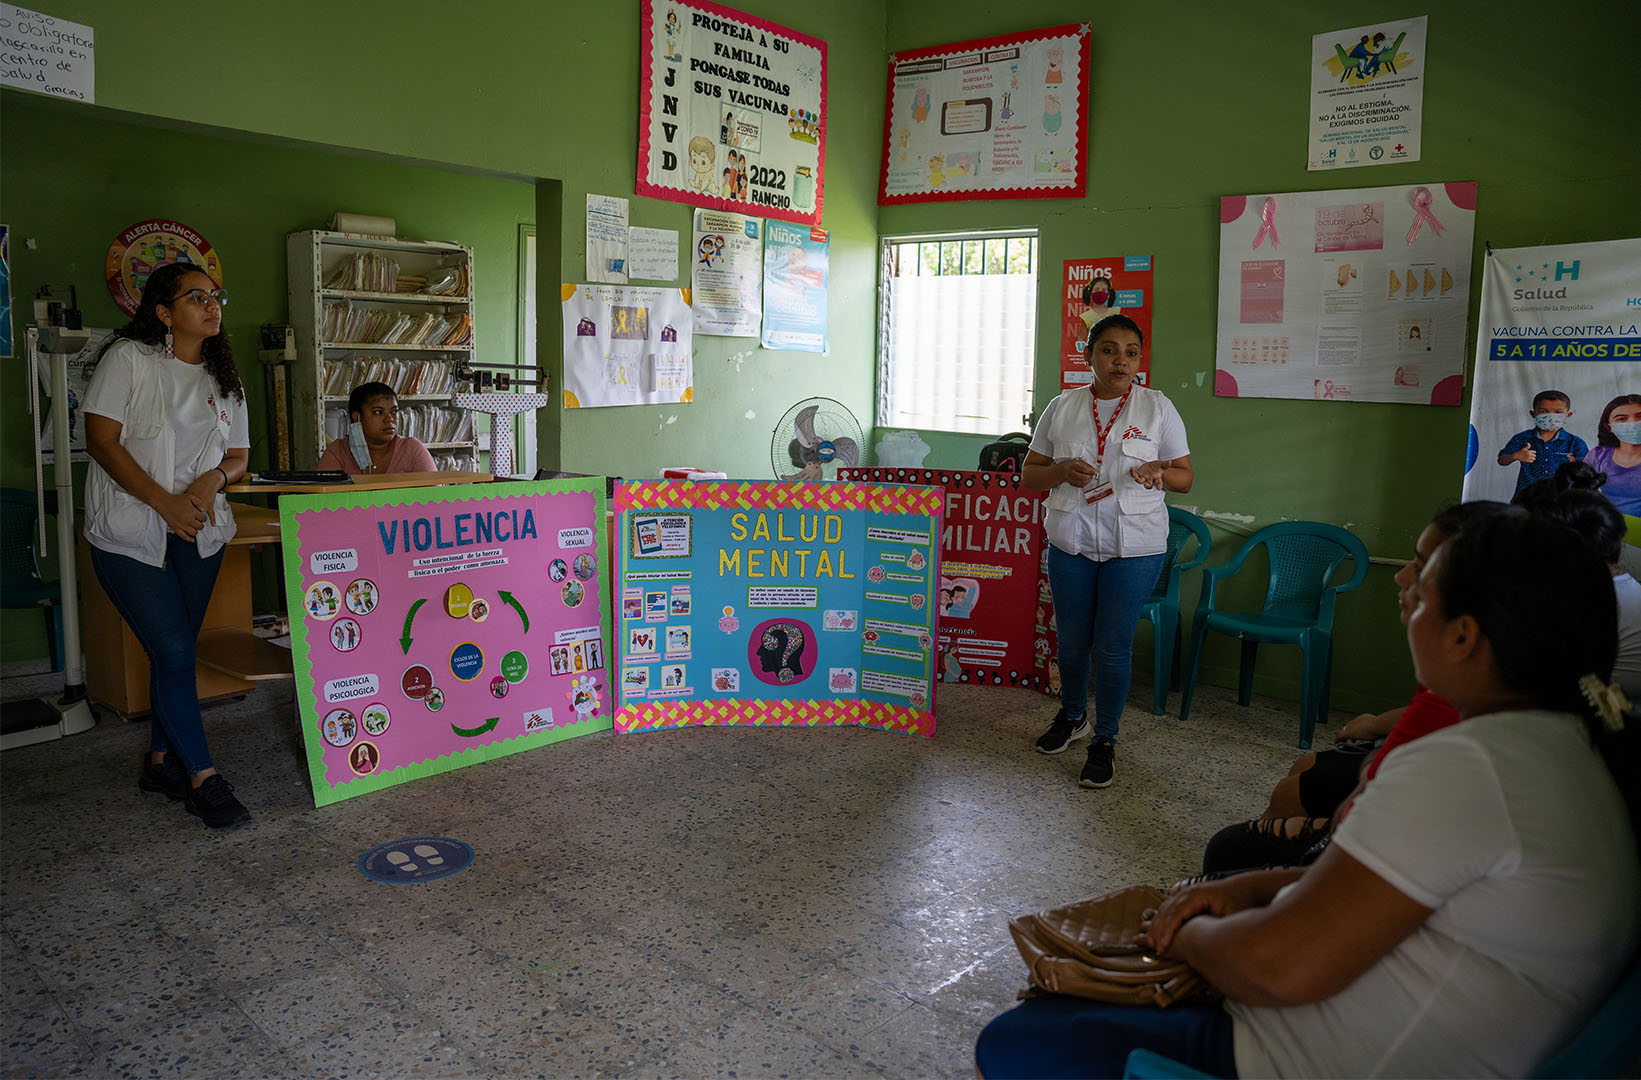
(777, 605)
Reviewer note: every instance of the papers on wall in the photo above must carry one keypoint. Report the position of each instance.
(625, 345)
(727, 274)
(81, 366)
(1338, 295)
(606, 239)
(795, 270)
(47, 55)
(652, 254)
(1367, 95)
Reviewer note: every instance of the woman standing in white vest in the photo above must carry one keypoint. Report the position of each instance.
(1107, 454)
(166, 430)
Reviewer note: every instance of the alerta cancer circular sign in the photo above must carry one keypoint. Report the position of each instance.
(147, 245)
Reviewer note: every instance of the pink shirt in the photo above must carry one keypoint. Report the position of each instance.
(409, 455)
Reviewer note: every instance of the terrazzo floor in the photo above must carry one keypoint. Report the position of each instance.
(698, 903)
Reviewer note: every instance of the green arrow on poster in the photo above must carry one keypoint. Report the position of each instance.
(410, 616)
(509, 598)
(475, 732)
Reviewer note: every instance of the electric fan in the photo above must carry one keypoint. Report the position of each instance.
(813, 440)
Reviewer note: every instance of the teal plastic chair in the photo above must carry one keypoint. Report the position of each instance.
(1298, 609)
(1609, 1044)
(21, 584)
(1162, 609)
(1352, 64)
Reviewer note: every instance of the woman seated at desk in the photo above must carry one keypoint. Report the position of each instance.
(374, 445)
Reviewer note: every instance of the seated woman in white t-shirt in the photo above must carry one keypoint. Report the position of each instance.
(166, 432)
(1478, 900)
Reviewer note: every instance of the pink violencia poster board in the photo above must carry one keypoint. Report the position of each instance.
(433, 628)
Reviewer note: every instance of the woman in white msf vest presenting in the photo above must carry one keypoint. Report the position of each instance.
(1107, 454)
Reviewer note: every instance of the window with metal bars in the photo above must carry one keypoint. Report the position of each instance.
(957, 331)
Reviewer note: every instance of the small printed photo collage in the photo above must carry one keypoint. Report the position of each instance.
(656, 619)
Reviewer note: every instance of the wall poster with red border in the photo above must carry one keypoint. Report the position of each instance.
(1093, 289)
(731, 111)
(996, 118)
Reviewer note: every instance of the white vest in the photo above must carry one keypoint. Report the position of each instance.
(1142, 518)
(116, 520)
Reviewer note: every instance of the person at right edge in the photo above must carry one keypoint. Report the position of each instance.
(1107, 454)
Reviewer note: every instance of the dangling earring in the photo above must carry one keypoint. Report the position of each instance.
(169, 355)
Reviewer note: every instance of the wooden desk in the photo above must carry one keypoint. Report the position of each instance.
(366, 483)
(230, 659)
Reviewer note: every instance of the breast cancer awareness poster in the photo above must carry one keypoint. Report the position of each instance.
(433, 628)
(1367, 95)
(732, 111)
(1351, 295)
(777, 605)
(995, 620)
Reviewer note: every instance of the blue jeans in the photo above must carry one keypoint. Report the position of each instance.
(1096, 607)
(1058, 1036)
(165, 607)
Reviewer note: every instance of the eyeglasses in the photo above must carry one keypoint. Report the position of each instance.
(200, 297)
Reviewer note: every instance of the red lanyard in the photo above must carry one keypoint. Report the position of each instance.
(1101, 434)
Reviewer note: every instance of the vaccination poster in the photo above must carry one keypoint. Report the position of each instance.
(1558, 370)
(1091, 290)
(731, 111)
(1357, 294)
(727, 274)
(1367, 95)
(994, 624)
(795, 271)
(997, 118)
(433, 628)
(769, 604)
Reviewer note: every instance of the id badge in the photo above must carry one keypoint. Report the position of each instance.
(1096, 493)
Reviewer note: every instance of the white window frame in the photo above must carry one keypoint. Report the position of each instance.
(1014, 366)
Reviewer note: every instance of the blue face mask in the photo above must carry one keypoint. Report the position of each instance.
(356, 443)
(1627, 431)
(1549, 421)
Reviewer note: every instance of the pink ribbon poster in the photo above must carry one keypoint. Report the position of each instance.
(1358, 294)
(433, 628)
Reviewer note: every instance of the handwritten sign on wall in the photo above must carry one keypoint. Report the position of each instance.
(46, 54)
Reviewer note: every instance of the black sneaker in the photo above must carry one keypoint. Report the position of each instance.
(1061, 733)
(1101, 769)
(213, 802)
(168, 778)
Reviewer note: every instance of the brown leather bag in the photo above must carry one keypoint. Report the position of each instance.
(1087, 949)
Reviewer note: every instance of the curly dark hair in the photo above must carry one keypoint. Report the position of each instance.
(145, 326)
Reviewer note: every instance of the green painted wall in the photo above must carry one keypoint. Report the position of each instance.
(72, 178)
(1194, 100)
(532, 89)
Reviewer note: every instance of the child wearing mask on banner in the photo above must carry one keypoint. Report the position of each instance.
(1547, 445)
